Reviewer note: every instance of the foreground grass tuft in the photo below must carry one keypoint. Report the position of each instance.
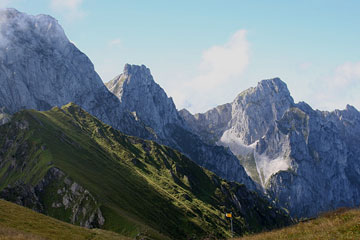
(342, 224)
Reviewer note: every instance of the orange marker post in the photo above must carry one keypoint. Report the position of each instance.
(229, 215)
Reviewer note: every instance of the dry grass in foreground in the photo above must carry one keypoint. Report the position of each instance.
(19, 223)
(338, 225)
(13, 234)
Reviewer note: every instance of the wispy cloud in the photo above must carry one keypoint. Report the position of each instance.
(70, 8)
(341, 88)
(115, 42)
(220, 63)
(5, 3)
(221, 68)
(347, 74)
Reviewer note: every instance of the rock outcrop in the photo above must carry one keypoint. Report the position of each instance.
(5, 117)
(58, 196)
(146, 100)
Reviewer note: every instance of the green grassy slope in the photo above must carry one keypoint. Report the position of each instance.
(340, 225)
(17, 222)
(142, 187)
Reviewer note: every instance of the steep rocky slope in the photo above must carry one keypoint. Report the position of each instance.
(40, 68)
(307, 160)
(145, 99)
(69, 165)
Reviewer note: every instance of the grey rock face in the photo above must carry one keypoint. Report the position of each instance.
(40, 68)
(5, 117)
(324, 161)
(66, 197)
(145, 99)
(307, 160)
(210, 125)
(254, 110)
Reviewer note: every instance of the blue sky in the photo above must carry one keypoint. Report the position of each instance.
(203, 53)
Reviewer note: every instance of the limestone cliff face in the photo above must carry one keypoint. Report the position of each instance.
(40, 68)
(307, 160)
(210, 125)
(148, 102)
(256, 109)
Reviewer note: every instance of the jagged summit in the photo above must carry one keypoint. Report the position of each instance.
(246, 119)
(139, 93)
(270, 98)
(275, 86)
(132, 69)
(133, 75)
(351, 108)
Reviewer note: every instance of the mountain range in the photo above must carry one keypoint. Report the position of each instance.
(269, 152)
(307, 160)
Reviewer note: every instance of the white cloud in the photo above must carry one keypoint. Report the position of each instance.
(347, 74)
(218, 77)
(342, 88)
(220, 63)
(70, 8)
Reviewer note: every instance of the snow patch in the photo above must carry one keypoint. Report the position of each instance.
(229, 139)
(267, 167)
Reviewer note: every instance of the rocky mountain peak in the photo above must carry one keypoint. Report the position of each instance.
(142, 70)
(350, 113)
(275, 88)
(270, 98)
(276, 84)
(141, 95)
(132, 78)
(351, 109)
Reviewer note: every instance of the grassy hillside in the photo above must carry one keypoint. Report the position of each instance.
(340, 225)
(141, 187)
(17, 222)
